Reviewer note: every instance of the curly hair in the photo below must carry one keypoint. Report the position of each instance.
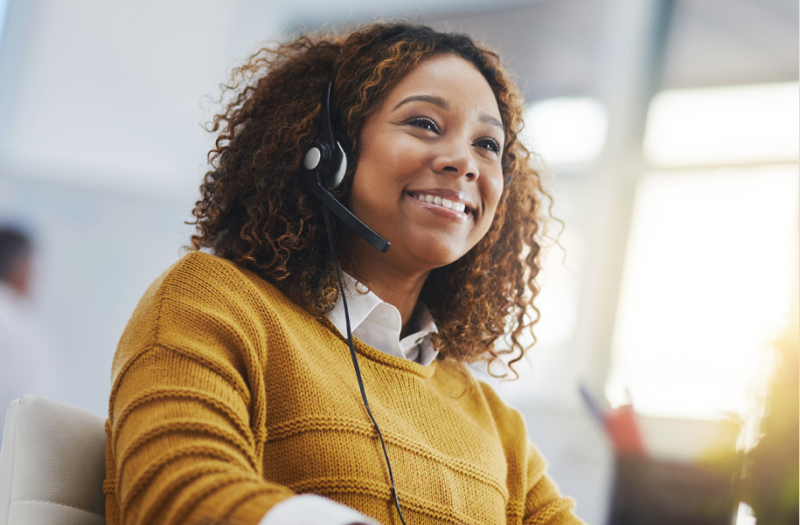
(255, 211)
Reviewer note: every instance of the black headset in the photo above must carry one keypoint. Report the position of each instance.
(322, 169)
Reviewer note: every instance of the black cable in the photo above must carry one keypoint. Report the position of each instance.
(358, 369)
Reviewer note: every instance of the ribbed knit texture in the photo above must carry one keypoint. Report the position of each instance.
(228, 398)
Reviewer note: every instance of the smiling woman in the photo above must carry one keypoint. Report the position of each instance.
(240, 384)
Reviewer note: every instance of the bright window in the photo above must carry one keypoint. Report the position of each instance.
(706, 288)
(709, 266)
(728, 125)
(568, 130)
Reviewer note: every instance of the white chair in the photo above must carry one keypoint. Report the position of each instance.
(52, 464)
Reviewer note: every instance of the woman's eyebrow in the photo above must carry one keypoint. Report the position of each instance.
(430, 99)
(487, 118)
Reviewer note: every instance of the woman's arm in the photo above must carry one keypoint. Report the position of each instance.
(534, 497)
(543, 503)
(182, 447)
(186, 432)
(188, 409)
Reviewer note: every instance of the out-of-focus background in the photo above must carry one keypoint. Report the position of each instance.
(668, 130)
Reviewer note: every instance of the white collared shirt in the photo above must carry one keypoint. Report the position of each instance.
(378, 324)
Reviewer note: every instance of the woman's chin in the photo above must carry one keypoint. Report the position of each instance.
(433, 255)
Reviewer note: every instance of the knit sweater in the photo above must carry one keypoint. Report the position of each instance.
(227, 398)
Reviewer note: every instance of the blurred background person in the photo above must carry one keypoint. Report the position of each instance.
(27, 364)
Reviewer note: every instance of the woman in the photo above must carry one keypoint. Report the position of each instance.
(233, 386)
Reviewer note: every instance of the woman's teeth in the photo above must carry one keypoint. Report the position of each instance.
(439, 201)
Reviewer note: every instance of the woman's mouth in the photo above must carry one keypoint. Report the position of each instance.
(450, 206)
(444, 202)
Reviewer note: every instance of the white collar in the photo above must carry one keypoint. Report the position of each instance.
(378, 324)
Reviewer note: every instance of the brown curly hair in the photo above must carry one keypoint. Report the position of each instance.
(255, 211)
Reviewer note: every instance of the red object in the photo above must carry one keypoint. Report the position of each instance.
(624, 432)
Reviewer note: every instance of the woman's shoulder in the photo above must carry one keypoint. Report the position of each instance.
(214, 282)
(202, 298)
(201, 272)
(508, 419)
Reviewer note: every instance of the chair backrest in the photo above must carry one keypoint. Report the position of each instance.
(52, 464)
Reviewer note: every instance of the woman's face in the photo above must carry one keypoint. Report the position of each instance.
(429, 174)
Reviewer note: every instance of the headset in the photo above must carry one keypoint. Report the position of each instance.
(322, 169)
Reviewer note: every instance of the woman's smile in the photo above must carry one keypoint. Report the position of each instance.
(448, 204)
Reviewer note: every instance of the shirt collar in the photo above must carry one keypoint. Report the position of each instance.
(378, 324)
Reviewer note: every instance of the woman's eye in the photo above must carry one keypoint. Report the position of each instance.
(490, 144)
(424, 123)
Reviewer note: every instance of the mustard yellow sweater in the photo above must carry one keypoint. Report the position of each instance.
(228, 398)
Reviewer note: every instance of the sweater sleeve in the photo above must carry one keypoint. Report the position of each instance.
(185, 433)
(543, 502)
(534, 494)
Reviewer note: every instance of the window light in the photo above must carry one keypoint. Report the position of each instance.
(724, 125)
(565, 130)
(706, 289)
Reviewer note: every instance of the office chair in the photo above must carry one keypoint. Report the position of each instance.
(52, 464)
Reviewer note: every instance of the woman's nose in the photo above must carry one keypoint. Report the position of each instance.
(455, 158)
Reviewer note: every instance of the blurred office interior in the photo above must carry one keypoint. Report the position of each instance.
(667, 129)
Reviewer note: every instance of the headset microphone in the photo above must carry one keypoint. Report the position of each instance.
(322, 169)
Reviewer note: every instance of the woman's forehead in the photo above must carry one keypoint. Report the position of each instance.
(447, 81)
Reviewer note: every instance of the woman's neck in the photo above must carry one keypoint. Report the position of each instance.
(393, 284)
